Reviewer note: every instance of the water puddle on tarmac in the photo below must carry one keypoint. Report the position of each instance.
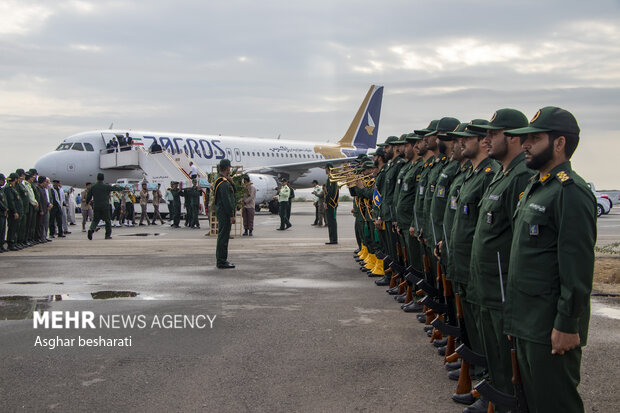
(21, 307)
(601, 309)
(306, 283)
(140, 234)
(34, 282)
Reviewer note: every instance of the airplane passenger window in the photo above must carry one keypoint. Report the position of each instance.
(77, 147)
(253, 154)
(263, 153)
(89, 147)
(242, 153)
(64, 146)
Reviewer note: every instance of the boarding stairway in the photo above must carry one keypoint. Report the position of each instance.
(161, 167)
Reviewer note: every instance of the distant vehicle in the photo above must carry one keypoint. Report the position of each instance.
(603, 201)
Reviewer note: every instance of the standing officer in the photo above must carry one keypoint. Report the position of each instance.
(551, 267)
(99, 193)
(156, 201)
(284, 205)
(225, 206)
(87, 208)
(55, 212)
(144, 200)
(331, 205)
(493, 236)
(4, 211)
(175, 205)
(14, 206)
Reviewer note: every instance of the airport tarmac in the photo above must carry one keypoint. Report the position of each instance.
(297, 326)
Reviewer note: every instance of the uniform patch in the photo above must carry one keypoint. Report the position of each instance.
(406, 187)
(465, 210)
(441, 191)
(494, 197)
(443, 175)
(398, 181)
(432, 189)
(544, 178)
(421, 191)
(538, 208)
(521, 195)
(489, 217)
(417, 178)
(487, 169)
(453, 203)
(534, 230)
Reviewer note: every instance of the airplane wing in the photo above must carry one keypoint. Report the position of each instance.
(294, 170)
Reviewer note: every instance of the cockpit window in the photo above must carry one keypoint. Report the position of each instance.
(89, 147)
(77, 147)
(64, 146)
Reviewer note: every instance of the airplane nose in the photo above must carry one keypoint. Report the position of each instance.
(47, 165)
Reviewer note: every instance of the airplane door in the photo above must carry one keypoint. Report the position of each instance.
(237, 155)
(229, 154)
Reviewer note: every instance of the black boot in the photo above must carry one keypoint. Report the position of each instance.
(245, 233)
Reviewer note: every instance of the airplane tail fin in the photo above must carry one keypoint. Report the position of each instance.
(362, 132)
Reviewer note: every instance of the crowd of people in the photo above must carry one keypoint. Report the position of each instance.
(485, 232)
(33, 210)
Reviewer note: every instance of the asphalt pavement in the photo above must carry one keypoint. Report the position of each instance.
(297, 326)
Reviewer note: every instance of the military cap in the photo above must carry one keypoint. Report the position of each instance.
(413, 137)
(2, 177)
(445, 124)
(468, 131)
(401, 140)
(12, 176)
(447, 136)
(389, 141)
(33, 171)
(284, 180)
(87, 183)
(550, 119)
(503, 119)
(28, 174)
(360, 156)
(379, 151)
(329, 165)
(368, 164)
(56, 181)
(224, 163)
(100, 176)
(20, 172)
(431, 127)
(42, 179)
(174, 183)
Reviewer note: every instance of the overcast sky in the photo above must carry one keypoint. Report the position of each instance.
(301, 69)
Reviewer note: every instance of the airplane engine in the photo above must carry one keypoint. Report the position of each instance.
(266, 186)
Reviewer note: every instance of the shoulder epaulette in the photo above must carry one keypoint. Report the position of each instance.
(488, 169)
(564, 178)
(444, 158)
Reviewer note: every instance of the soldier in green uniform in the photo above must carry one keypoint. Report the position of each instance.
(225, 206)
(439, 149)
(396, 161)
(492, 239)
(14, 206)
(22, 229)
(380, 159)
(331, 205)
(175, 205)
(33, 206)
(99, 193)
(428, 157)
(192, 197)
(4, 211)
(551, 265)
(404, 194)
(465, 218)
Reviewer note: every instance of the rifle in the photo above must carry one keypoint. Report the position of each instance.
(517, 402)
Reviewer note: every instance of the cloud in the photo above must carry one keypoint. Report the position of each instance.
(17, 18)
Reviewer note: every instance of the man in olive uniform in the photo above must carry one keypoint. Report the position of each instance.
(492, 239)
(4, 211)
(33, 206)
(192, 198)
(225, 205)
(99, 193)
(283, 196)
(14, 204)
(331, 205)
(465, 218)
(175, 205)
(551, 265)
(387, 213)
(22, 229)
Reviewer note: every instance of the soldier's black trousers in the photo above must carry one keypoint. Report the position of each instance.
(223, 235)
(39, 233)
(102, 214)
(55, 220)
(283, 212)
(2, 230)
(332, 225)
(11, 233)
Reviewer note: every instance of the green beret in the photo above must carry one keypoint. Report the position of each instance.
(224, 163)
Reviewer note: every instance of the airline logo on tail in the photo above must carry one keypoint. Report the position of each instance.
(371, 125)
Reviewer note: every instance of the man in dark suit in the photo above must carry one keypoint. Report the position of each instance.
(44, 208)
(56, 211)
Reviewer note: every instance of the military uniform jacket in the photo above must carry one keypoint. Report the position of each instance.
(192, 195)
(552, 262)
(465, 217)
(100, 194)
(494, 233)
(433, 176)
(176, 195)
(418, 215)
(450, 209)
(23, 196)
(406, 197)
(331, 194)
(13, 200)
(387, 209)
(4, 206)
(224, 197)
(440, 199)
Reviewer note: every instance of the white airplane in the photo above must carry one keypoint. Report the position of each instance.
(79, 158)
